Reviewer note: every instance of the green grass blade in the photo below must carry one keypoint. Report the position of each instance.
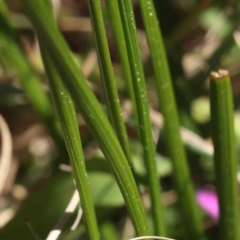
(115, 19)
(225, 155)
(190, 212)
(69, 125)
(144, 124)
(29, 79)
(110, 88)
(91, 110)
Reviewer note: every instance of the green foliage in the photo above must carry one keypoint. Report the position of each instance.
(225, 158)
(191, 217)
(157, 54)
(68, 120)
(90, 108)
(142, 110)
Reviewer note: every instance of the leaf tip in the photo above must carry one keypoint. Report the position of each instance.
(221, 73)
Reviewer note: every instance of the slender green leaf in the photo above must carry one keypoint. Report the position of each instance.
(91, 110)
(225, 155)
(190, 212)
(67, 116)
(114, 107)
(115, 18)
(144, 124)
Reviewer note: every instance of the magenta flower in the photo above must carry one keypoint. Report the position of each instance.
(208, 201)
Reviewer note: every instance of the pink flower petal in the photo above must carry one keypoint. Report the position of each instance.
(208, 200)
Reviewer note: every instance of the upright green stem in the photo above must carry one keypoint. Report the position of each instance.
(110, 88)
(115, 19)
(225, 155)
(67, 117)
(144, 124)
(91, 110)
(190, 213)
